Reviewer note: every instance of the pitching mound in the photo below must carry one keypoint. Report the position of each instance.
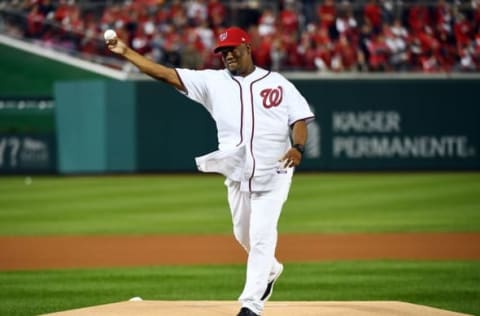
(228, 308)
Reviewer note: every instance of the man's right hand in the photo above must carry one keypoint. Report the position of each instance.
(117, 46)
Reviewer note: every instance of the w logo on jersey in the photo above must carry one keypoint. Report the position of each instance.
(272, 97)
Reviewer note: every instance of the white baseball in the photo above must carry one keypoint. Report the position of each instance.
(109, 35)
(136, 299)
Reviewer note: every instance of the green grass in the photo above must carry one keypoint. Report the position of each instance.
(196, 204)
(448, 285)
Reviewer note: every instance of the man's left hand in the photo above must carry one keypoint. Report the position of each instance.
(292, 158)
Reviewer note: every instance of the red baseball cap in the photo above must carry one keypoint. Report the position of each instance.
(232, 36)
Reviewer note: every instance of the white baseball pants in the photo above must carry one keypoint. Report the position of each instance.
(255, 217)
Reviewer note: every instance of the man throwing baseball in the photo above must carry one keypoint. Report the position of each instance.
(261, 121)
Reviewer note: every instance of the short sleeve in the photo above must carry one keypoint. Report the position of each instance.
(195, 82)
(298, 108)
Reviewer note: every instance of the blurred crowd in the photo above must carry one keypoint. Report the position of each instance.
(325, 35)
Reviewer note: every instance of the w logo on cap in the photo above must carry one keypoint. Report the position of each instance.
(232, 36)
(223, 36)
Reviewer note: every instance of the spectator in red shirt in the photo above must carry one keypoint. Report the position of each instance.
(321, 36)
(418, 18)
(289, 43)
(429, 63)
(288, 18)
(89, 43)
(425, 49)
(75, 22)
(62, 11)
(216, 12)
(306, 51)
(462, 30)
(174, 8)
(266, 23)
(443, 18)
(379, 54)
(35, 21)
(261, 54)
(108, 19)
(345, 55)
(373, 12)
(346, 23)
(191, 37)
(428, 41)
(141, 42)
(327, 13)
(323, 58)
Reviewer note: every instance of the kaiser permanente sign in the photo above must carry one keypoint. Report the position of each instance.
(393, 124)
(378, 134)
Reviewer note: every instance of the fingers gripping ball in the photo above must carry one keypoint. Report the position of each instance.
(110, 36)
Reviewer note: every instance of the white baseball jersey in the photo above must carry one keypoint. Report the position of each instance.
(254, 112)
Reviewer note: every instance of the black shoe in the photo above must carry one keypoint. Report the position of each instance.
(269, 290)
(246, 312)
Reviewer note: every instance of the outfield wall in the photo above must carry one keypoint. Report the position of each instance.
(146, 126)
(112, 126)
(27, 135)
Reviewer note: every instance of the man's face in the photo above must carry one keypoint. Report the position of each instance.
(237, 59)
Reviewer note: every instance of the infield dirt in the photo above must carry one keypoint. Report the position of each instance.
(51, 252)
